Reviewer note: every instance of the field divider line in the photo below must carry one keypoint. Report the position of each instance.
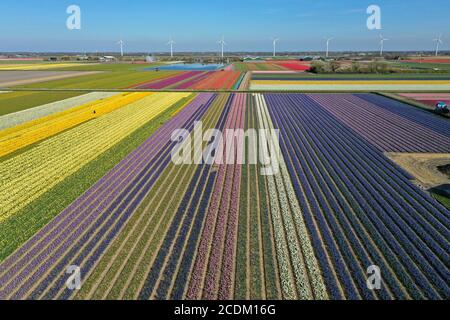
(248, 273)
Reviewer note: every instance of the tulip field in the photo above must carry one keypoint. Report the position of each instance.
(89, 181)
(273, 65)
(429, 99)
(196, 80)
(349, 85)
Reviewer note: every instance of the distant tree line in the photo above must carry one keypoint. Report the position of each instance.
(379, 67)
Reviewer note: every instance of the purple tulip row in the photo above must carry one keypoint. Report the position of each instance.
(229, 254)
(417, 115)
(220, 224)
(104, 207)
(388, 131)
(161, 84)
(365, 210)
(225, 231)
(190, 82)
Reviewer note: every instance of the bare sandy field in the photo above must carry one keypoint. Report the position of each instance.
(423, 166)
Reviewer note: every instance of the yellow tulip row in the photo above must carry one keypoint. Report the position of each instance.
(23, 135)
(37, 66)
(28, 175)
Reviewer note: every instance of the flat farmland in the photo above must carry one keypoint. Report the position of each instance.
(101, 190)
(106, 80)
(15, 78)
(15, 101)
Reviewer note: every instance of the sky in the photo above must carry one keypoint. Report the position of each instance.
(197, 25)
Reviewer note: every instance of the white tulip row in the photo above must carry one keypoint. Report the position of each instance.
(292, 239)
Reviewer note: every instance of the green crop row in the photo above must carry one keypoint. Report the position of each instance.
(106, 80)
(11, 102)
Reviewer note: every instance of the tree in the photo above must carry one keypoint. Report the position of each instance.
(356, 67)
(334, 66)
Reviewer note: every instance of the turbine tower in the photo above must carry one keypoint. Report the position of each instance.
(328, 46)
(222, 43)
(382, 40)
(275, 40)
(438, 41)
(121, 43)
(171, 43)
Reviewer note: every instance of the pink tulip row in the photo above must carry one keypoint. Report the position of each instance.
(220, 225)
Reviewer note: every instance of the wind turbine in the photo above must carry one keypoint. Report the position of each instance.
(171, 43)
(121, 43)
(328, 46)
(438, 41)
(382, 40)
(222, 43)
(275, 40)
